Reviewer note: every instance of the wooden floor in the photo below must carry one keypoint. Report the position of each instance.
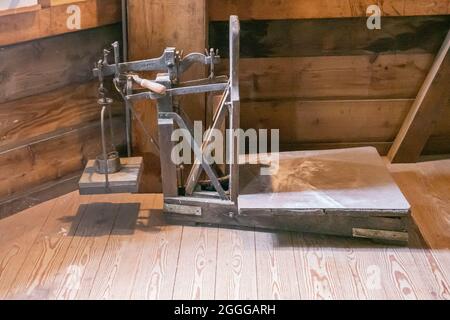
(97, 247)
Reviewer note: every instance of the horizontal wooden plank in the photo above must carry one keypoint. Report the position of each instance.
(35, 67)
(396, 76)
(382, 147)
(42, 193)
(327, 121)
(317, 37)
(220, 10)
(51, 158)
(19, 10)
(436, 145)
(53, 21)
(27, 119)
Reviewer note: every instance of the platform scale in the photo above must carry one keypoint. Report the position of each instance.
(345, 192)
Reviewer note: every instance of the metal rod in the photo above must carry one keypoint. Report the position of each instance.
(180, 91)
(125, 29)
(105, 153)
(218, 118)
(197, 152)
(111, 129)
(129, 90)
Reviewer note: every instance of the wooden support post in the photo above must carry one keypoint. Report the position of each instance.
(154, 25)
(429, 103)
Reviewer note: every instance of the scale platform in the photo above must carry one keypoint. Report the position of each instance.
(346, 192)
(124, 181)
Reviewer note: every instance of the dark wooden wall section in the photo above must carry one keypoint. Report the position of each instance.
(327, 80)
(49, 118)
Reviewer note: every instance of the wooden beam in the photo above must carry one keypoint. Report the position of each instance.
(154, 25)
(28, 119)
(329, 37)
(430, 101)
(52, 21)
(386, 76)
(220, 10)
(52, 157)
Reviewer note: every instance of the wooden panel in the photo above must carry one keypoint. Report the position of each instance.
(56, 248)
(306, 9)
(32, 281)
(431, 100)
(17, 240)
(49, 3)
(426, 185)
(296, 38)
(79, 266)
(327, 121)
(29, 118)
(53, 21)
(17, 4)
(274, 258)
(158, 265)
(198, 252)
(151, 28)
(19, 10)
(236, 264)
(396, 76)
(44, 65)
(51, 157)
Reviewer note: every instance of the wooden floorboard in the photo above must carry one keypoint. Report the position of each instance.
(157, 267)
(275, 265)
(120, 247)
(196, 272)
(236, 265)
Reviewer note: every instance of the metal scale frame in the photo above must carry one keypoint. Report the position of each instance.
(346, 192)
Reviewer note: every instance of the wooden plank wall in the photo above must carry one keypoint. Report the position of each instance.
(49, 118)
(314, 70)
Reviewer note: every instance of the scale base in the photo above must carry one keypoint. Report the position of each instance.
(124, 181)
(344, 192)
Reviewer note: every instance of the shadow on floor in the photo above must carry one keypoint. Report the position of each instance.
(100, 219)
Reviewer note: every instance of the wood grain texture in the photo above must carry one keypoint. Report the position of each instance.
(16, 240)
(339, 121)
(141, 257)
(158, 265)
(28, 119)
(236, 265)
(426, 184)
(333, 37)
(80, 264)
(51, 157)
(198, 253)
(430, 102)
(101, 244)
(304, 9)
(43, 65)
(315, 262)
(274, 264)
(152, 28)
(387, 76)
(34, 279)
(52, 21)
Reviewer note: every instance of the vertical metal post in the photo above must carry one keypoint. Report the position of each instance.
(234, 108)
(129, 91)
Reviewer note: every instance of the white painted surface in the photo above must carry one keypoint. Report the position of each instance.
(15, 4)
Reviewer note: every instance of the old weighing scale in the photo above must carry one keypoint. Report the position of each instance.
(347, 192)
